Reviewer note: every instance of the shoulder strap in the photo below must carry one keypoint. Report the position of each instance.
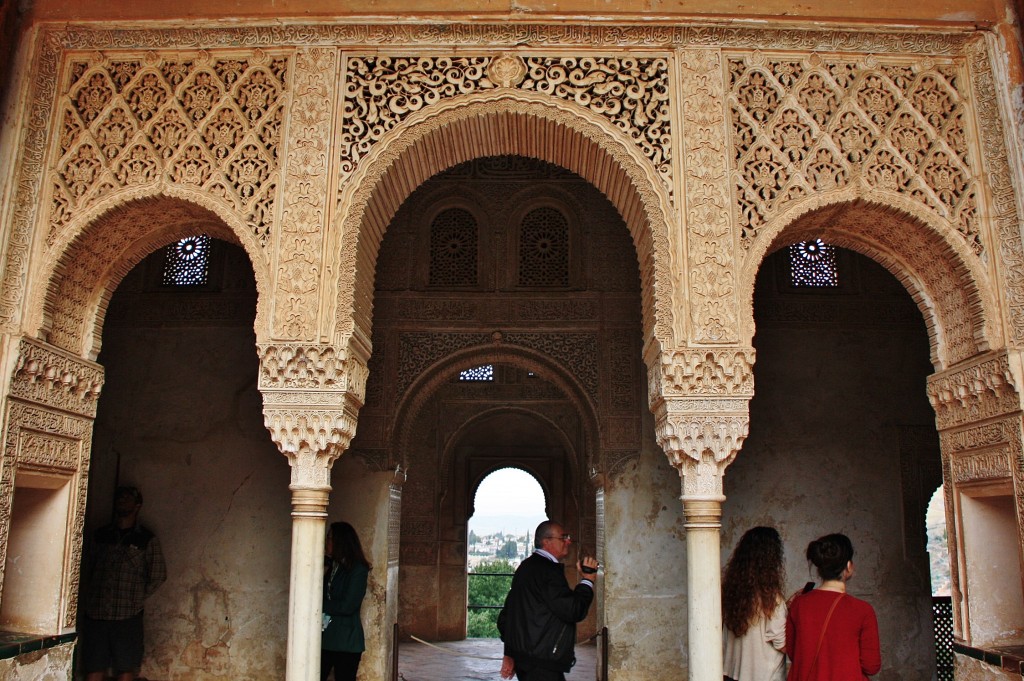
(821, 639)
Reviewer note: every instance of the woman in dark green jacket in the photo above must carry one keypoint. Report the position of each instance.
(345, 576)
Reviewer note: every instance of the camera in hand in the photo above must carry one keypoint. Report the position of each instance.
(588, 570)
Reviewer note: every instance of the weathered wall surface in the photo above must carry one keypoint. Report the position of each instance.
(180, 417)
(52, 664)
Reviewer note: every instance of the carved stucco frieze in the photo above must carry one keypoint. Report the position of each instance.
(709, 223)
(631, 92)
(305, 205)
(981, 466)
(980, 390)
(1001, 190)
(703, 371)
(311, 400)
(202, 121)
(44, 375)
(804, 125)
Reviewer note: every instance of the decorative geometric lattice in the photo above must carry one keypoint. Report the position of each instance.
(480, 373)
(813, 263)
(942, 620)
(187, 262)
(802, 126)
(544, 249)
(207, 124)
(453, 248)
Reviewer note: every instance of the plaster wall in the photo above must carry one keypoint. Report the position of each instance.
(180, 417)
(968, 669)
(52, 664)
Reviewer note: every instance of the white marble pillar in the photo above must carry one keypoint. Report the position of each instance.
(305, 590)
(704, 587)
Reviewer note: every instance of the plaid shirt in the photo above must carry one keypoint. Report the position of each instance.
(126, 567)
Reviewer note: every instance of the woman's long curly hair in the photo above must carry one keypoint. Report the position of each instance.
(754, 579)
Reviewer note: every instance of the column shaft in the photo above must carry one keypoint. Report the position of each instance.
(704, 588)
(305, 590)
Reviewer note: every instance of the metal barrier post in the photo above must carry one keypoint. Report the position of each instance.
(602, 660)
(394, 653)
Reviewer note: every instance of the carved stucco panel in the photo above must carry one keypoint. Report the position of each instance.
(711, 239)
(980, 390)
(44, 375)
(305, 206)
(202, 120)
(703, 371)
(1000, 187)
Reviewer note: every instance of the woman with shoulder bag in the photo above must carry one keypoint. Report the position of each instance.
(831, 635)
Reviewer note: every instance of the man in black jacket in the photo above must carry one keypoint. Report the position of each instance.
(538, 622)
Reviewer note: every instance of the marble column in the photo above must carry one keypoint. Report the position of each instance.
(305, 588)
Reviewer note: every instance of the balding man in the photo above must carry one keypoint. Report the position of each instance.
(538, 622)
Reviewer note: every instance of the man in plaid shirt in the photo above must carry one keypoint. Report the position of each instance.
(124, 566)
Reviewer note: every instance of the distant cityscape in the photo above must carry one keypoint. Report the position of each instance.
(511, 546)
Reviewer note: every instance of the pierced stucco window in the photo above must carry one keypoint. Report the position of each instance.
(453, 249)
(481, 373)
(813, 264)
(187, 262)
(544, 249)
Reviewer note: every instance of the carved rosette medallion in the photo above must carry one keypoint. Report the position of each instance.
(305, 206)
(311, 400)
(508, 70)
(981, 390)
(712, 240)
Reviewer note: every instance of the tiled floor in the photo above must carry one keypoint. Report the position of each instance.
(473, 660)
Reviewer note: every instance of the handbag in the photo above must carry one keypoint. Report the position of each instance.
(821, 639)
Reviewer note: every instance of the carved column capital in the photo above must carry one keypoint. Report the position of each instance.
(687, 372)
(983, 388)
(311, 400)
(700, 398)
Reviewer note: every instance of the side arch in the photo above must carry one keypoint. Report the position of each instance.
(495, 124)
(102, 247)
(947, 281)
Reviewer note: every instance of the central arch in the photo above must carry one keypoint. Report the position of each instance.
(495, 124)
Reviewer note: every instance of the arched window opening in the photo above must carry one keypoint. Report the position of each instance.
(484, 372)
(509, 504)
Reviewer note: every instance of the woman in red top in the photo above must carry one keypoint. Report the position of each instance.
(830, 635)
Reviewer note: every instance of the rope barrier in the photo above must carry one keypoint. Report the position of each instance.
(449, 651)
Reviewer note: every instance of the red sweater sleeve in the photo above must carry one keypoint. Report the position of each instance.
(870, 650)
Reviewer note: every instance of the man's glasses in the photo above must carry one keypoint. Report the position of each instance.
(563, 537)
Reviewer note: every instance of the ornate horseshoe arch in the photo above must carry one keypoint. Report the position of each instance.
(498, 123)
(101, 246)
(946, 281)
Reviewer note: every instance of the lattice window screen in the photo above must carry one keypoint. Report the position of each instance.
(544, 249)
(187, 262)
(453, 248)
(813, 263)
